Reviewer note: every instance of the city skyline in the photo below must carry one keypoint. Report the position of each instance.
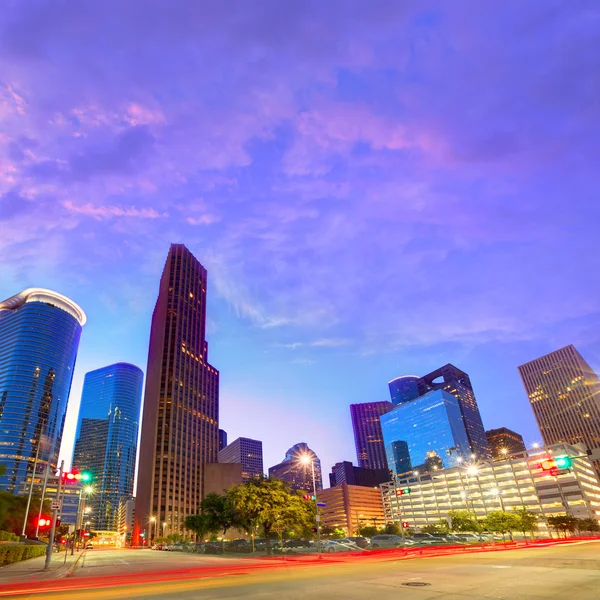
(404, 191)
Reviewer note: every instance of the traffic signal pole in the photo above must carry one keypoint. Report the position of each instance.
(50, 546)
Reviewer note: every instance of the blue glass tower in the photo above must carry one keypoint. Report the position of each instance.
(106, 438)
(431, 428)
(404, 389)
(39, 339)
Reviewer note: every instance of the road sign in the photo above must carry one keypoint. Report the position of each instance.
(55, 504)
(321, 504)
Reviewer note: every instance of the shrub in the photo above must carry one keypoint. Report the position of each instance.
(16, 553)
(7, 536)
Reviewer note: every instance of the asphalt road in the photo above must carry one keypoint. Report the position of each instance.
(564, 572)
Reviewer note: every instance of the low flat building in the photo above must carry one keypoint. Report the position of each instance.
(349, 507)
(530, 480)
(346, 472)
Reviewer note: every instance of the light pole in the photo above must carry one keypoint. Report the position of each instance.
(305, 459)
(152, 522)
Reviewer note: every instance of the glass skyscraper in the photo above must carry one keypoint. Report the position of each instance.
(39, 339)
(297, 474)
(404, 388)
(431, 428)
(368, 439)
(106, 438)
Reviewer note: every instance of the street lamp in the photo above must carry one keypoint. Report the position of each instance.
(306, 459)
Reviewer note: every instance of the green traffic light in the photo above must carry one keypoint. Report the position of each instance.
(86, 477)
(563, 462)
(406, 490)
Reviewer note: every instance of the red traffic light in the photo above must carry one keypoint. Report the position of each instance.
(44, 522)
(405, 524)
(548, 465)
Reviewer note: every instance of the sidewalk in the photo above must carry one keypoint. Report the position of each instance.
(33, 569)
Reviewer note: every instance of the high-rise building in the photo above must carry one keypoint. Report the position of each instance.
(504, 442)
(295, 472)
(565, 397)
(346, 472)
(106, 438)
(180, 431)
(222, 439)
(400, 457)
(457, 382)
(431, 428)
(39, 339)
(248, 453)
(404, 388)
(370, 450)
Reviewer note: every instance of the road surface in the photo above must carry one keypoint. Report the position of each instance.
(561, 572)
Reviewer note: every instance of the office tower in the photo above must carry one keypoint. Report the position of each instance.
(346, 472)
(106, 438)
(222, 439)
(294, 472)
(457, 383)
(432, 429)
(370, 451)
(248, 453)
(180, 431)
(39, 339)
(565, 397)
(400, 457)
(504, 442)
(404, 389)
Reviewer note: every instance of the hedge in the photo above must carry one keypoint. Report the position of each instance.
(7, 536)
(13, 554)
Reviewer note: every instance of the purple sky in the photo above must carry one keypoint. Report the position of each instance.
(375, 188)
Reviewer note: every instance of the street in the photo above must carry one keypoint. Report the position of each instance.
(556, 572)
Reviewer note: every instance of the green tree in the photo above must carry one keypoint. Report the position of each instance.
(393, 529)
(12, 513)
(368, 531)
(268, 504)
(435, 528)
(463, 520)
(199, 525)
(502, 522)
(563, 524)
(218, 513)
(588, 525)
(528, 521)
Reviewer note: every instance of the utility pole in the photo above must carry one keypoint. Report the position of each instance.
(55, 513)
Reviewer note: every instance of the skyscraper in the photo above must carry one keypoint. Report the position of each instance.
(457, 382)
(222, 439)
(431, 428)
(370, 451)
(39, 339)
(248, 453)
(565, 397)
(181, 401)
(504, 442)
(346, 472)
(404, 388)
(294, 472)
(106, 438)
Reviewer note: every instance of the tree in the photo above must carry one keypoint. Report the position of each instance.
(367, 531)
(502, 522)
(563, 523)
(199, 525)
(392, 529)
(463, 520)
(12, 512)
(435, 528)
(268, 504)
(528, 521)
(588, 525)
(218, 513)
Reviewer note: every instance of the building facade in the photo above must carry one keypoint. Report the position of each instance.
(404, 389)
(248, 453)
(503, 485)
(504, 441)
(126, 521)
(297, 474)
(350, 507)
(431, 428)
(456, 382)
(564, 394)
(370, 450)
(346, 472)
(180, 431)
(106, 438)
(222, 439)
(39, 339)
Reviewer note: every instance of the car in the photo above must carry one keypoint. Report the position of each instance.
(212, 548)
(387, 541)
(425, 539)
(89, 547)
(361, 542)
(296, 543)
(343, 545)
(238, 546)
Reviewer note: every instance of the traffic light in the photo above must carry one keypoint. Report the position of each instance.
(405, 524)
(563, 462)
(75, 476)
(44, 522)
(548, 465)
(403, 491)
(314, 530)
(143, 534)
(309, 497)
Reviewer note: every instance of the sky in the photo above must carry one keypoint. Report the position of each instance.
(376, 189)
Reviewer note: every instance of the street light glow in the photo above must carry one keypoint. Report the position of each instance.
(504, 451)
(305, 459)
(472, 470)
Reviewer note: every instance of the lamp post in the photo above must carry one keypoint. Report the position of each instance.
(83, 493)
(305, 459)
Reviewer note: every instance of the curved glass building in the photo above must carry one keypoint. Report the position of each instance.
(404, 389)
(106, 438)
(39, 339)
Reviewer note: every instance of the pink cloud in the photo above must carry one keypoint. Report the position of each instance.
(108, 212)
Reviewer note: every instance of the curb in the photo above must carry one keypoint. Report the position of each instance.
(70, 570)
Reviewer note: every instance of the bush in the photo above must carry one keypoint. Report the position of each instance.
(13, 554)
(7, 536)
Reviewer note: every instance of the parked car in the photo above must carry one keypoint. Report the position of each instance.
(238, 546)
(212, 548)
(386, 541)
(296, 543)
(361, 542)
(89, 547)
(343, 545)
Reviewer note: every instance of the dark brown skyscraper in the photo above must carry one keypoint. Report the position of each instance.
(504, 442)
(368, 438)
(181, 402)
